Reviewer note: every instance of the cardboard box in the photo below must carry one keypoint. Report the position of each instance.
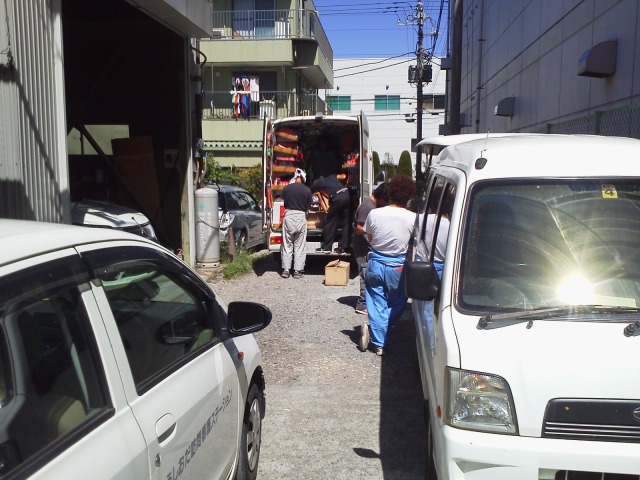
(336, 273)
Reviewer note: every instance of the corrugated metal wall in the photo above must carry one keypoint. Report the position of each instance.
(34, 180)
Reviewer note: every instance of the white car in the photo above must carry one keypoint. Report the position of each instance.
(118, 361)
(98, 214)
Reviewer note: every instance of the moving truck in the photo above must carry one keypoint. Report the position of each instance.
(289, 144)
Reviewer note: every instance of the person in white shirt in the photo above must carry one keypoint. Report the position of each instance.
(389, 231)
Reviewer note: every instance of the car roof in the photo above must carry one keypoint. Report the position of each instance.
(544, 156)
(20, 239)
(226, 188)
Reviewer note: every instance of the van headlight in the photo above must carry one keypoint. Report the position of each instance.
(478, 401)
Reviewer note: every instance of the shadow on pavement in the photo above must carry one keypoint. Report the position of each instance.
(403, 437)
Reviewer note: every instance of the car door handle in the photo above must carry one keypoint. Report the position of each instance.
(165, 427)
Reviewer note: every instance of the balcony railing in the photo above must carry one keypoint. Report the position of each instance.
(271, 25)
(252, 105)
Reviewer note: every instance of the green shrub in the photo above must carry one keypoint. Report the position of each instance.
(243, 263)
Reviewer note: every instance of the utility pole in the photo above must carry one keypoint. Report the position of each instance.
(420, 74)
(421, 57)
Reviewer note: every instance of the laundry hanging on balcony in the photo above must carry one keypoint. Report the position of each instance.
(245, 90)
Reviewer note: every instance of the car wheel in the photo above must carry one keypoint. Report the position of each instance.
(430, 466)
(241, 240)
(251, 435)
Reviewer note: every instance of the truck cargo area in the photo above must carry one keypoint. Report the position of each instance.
(290, 144)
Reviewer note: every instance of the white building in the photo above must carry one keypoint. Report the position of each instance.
(380, 88)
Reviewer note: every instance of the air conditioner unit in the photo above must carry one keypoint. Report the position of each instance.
(218, 33)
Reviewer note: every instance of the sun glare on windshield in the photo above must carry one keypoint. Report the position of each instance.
(575, 290)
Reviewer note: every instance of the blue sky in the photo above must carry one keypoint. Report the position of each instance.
(359, 29)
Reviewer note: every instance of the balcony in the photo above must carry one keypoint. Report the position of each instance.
(256, 105)
(272, 38)
(271, 25)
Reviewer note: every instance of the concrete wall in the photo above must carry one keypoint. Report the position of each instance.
(530, 49)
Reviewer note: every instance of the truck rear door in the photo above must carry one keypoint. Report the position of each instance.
(366, 165)
(267, 194)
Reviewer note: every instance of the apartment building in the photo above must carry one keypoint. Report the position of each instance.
(266, 58)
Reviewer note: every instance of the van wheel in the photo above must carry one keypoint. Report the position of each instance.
(430, 466)
(251, 435)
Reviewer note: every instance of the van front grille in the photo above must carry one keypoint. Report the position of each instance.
(593, 420)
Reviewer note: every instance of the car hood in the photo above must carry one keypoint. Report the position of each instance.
(552, 359)
(104, 214)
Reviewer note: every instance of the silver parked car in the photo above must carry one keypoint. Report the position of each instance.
(240, 211)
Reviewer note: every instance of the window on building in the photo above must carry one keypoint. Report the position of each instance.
(433, 102)
(387, 102)
(339, 102)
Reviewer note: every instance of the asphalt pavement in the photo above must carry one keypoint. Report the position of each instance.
(333, 412)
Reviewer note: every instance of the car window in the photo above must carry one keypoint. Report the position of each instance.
(243, 200)
(163, 316)
(232, 201)
(429, 217)
(52, 384)
(250, 201)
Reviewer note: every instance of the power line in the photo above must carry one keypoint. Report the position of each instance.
(372, 63)
(373, 69)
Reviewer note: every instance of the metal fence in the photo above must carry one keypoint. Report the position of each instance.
(272, 104)
(620, 122)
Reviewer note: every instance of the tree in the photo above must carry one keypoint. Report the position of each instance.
(216, 173)
(404, 164)
(248, 178)
(251, 180)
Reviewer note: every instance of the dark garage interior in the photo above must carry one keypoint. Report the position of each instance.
(125, 69)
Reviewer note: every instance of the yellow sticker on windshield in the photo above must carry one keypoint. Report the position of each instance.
(609, 191)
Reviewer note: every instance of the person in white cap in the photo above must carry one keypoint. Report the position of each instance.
(297, 198)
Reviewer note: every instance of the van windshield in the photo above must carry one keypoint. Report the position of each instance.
(551, 243)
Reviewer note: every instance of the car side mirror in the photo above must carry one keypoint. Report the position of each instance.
(421, 281)
(247, 317)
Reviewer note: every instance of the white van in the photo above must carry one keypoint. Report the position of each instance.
(529, 338)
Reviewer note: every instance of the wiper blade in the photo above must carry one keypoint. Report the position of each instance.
(499, 320)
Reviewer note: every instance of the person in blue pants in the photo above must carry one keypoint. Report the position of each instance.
(389, 231)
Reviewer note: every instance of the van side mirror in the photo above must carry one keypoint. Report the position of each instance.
(421, 281)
